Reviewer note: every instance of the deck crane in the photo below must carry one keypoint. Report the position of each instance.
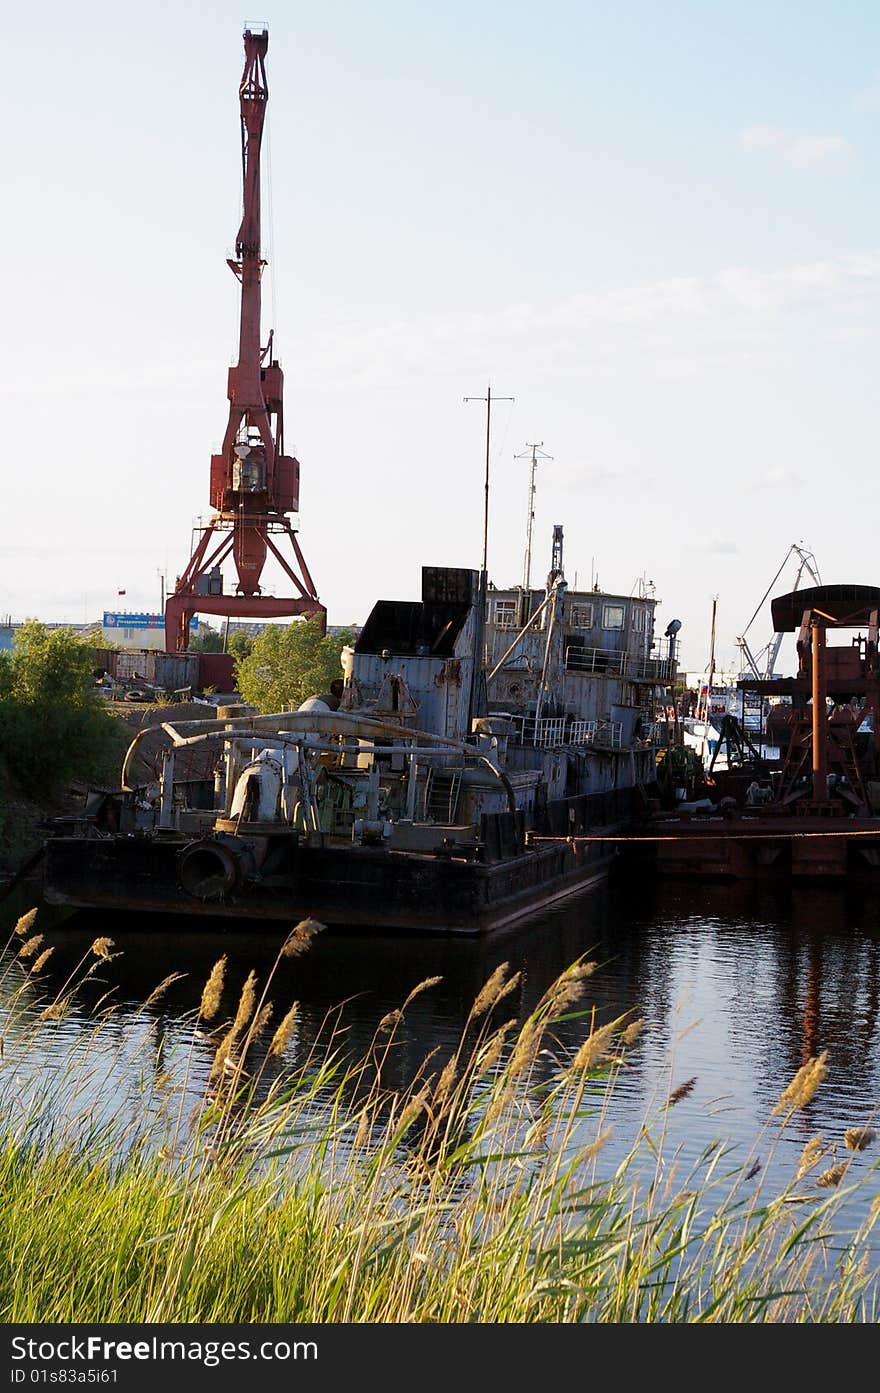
(762, 665)
(254, 485)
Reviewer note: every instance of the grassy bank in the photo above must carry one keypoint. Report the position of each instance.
(478, 1193)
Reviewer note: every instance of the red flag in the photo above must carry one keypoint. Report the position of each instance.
(120, 592)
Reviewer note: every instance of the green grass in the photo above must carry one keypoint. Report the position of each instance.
(317, 1193)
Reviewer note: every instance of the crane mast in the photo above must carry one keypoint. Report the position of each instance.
(254, 485)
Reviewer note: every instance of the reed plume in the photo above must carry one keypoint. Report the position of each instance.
(25, 923)
(525, 1051)
(494, 989)
(390, 1020)
(859, 1138)
(283, 1032)
(681, 1092)
(213, 990)
(568, 988)
(41, 961)
(445, 1083)
(101, 947)
(29, 948)
(832, 1176)
(223, 1053)
(55, 1011)
(299, 941)
(412, 1110)
(810, 1156)
(595, 1048)
(491, 1052)
(421, 987)
(264, 1015)
(632, 1032)
(159, 991)
(804, 1086)
(245, 1003)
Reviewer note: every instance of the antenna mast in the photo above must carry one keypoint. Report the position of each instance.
(533, 456)
(478, 682)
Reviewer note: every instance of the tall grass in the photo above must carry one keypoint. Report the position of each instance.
(479, 1192)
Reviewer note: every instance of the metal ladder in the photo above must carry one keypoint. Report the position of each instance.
(441, 795)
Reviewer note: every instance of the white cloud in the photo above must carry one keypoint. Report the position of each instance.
(683, 326)
(800, 151)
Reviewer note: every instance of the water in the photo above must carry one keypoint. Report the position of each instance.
(737, 986)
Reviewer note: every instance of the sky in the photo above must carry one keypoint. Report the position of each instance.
(654, 226)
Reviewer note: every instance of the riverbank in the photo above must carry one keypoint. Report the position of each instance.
(24, 811)
(312, 1187)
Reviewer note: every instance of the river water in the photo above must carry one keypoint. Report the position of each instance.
(738, 986)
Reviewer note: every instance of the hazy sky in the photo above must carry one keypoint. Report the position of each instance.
(654, 225)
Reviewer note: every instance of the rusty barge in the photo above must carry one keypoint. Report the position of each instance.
(447, 784)
(814, 812)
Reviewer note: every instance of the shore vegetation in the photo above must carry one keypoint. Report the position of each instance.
(310, 1188)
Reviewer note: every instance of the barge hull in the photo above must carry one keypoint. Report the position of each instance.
(769, 850)
(360, 887)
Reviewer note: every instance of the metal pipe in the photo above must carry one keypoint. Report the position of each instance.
(528, 624)
(411, 786)
(550, 626)
(166, 790)
(310, 723)
(820, 715)
(281, 742)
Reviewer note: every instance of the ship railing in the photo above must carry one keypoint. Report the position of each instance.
(555, 731)
(608, 734)
(547, 732)
(615, 662)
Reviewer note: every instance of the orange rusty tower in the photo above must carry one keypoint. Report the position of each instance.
(254, 484)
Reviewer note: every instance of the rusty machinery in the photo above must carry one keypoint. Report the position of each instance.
(829, 734)
(254, 486)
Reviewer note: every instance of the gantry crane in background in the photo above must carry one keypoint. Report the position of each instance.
(253, 484)
(762, 664)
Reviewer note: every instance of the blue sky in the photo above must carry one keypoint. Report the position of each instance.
(654, 225)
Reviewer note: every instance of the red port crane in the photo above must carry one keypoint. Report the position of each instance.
(254, 484)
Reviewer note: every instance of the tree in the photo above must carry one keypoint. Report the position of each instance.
(206, 640)
(239, 645)
(53, 726)
(289, 663)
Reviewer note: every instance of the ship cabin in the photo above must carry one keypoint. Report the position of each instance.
(562, 698)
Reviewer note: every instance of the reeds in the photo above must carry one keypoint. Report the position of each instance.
(308, 1190)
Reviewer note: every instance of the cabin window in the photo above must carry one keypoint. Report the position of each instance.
(581, 617)
(505, 614)
(613, 616)
(638, 620)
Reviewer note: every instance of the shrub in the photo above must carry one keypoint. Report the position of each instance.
(53, 726)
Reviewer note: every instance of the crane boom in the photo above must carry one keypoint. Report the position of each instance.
(770, 653)
(245, 387)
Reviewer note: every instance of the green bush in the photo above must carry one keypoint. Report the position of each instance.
(53, 726)
(289, 663)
